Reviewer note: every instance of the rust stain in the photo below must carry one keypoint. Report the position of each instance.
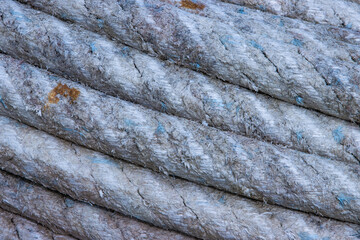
(62, 90)
(192, 5)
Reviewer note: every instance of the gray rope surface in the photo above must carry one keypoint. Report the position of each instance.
(291, 62)
(126, 73)
(164, 201)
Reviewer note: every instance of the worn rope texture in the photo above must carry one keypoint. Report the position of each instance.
(65, 215)
(181, 147)
(15, 227)
(178, 146)
(291, 62)
(152, 197)
(344, 13)
(123, 72)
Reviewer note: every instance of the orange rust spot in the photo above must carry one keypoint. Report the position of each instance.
(192, 5)
(63, 90)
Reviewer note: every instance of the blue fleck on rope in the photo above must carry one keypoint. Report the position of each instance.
(3, 103)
